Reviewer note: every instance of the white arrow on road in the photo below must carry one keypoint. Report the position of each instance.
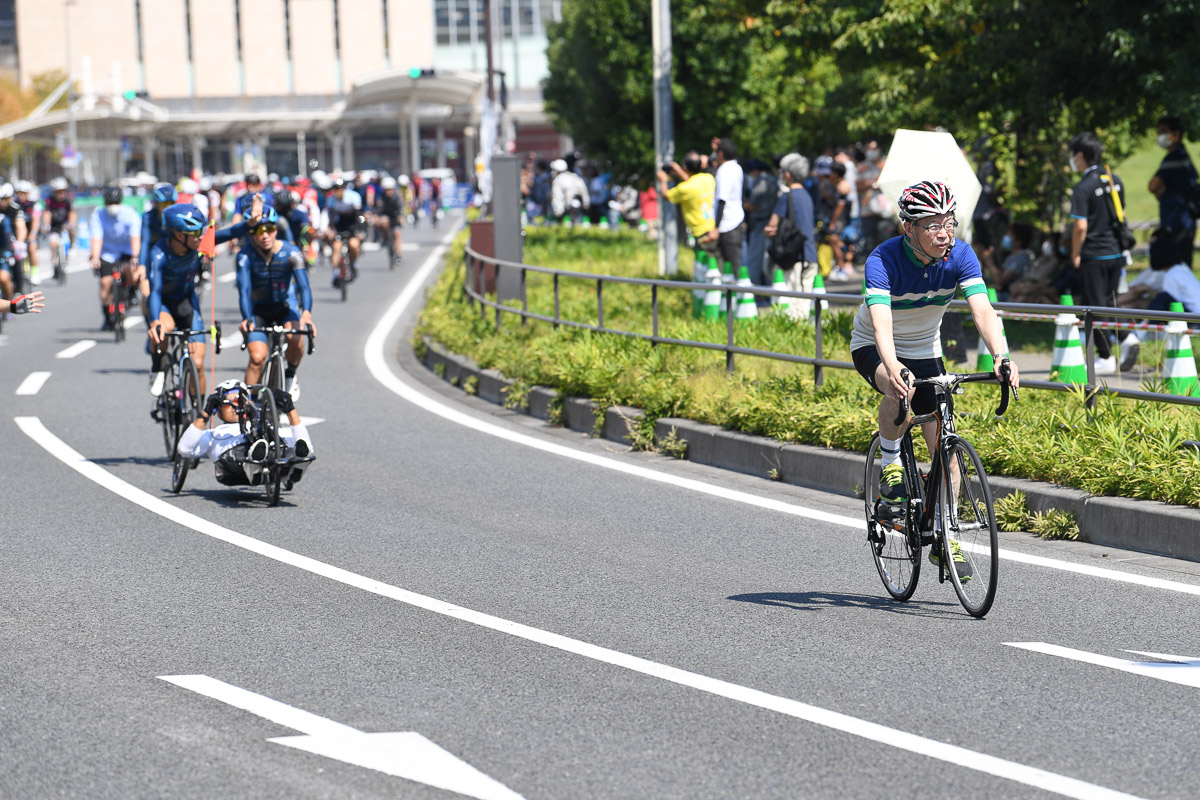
(1184, 670)
(407, 755)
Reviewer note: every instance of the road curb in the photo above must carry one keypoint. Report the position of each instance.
(1144, 526)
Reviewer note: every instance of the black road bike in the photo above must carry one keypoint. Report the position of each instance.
(180, 401)
(274, 366)
(949, 508)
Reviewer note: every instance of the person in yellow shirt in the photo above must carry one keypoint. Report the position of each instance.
(694, 196)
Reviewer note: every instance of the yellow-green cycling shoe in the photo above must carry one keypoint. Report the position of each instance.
(961, 565)
(891, 484)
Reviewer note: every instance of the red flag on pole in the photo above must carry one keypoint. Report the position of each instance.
(208, 242)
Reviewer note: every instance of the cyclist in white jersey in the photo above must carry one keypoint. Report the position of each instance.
(911, 279)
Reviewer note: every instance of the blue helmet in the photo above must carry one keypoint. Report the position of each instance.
(165, 193)
(269, 216)
(184, 217)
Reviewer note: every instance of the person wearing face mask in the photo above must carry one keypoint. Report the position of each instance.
(1175, 182)
(116, 241)
(910, 280)
(1095, 252)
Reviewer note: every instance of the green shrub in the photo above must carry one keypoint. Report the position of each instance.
(1120, 447)
(1012, 514)
(1054, 524)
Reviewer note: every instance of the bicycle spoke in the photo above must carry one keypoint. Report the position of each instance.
(970, 524)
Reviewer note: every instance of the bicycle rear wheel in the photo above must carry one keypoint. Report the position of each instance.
(268, 429)
(968, 523)
(895, 548)
(190, 404)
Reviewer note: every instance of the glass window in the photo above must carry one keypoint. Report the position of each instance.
(441, 20)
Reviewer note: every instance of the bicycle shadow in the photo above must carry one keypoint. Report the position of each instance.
(247, 497)
(120, 371)
(820, 601)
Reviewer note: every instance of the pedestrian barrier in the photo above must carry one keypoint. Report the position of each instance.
(822, 304)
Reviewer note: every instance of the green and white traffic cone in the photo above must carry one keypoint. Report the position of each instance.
(1066, 366)
(699, 276)
(727, 279)
(819, 288)
(712, 298)
(746, 309)
(779, 282)
(984, 361)
(1180, 366)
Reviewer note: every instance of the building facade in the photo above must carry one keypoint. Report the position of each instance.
(172, 86)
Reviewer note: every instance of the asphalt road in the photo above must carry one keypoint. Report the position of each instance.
(568, 619)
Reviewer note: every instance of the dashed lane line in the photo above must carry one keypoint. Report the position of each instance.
(33, 383)
(79, 347)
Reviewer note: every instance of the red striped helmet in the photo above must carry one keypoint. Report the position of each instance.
(926, 199)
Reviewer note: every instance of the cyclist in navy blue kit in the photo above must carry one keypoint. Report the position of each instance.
(911, 279)
(343, 206)
(152, 228)
(172, 300)
(265, 272)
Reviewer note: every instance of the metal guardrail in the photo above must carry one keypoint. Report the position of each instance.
(477, 277)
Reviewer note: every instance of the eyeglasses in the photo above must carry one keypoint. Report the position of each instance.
(267, 228)
(948, 225)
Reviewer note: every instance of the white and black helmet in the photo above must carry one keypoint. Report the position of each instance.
(6, 190)
(926, 199)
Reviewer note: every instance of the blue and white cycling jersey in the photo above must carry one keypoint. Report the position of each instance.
(116, 232)
(262, 282)
(917, 293)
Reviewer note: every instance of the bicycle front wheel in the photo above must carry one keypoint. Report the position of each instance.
(895, 548)
(190, 404)
(268, 430)
(968, 523)
(168, 408)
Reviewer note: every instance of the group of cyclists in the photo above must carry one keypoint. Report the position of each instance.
(278, 231)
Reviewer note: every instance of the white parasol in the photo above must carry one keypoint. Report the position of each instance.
(931, 156)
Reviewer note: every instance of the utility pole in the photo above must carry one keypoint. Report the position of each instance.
(664, 132)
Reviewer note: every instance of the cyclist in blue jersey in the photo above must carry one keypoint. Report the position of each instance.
(116, 241)
(293, 218)
(7, 237)
(265, 272)
(910, 280)
(172, 299)
(152, 228)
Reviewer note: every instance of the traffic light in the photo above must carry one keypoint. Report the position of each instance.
(417, 72)
(129, 94)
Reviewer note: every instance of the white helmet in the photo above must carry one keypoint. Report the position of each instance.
(188, 186)
(24, 187)
(403, 180)
(6, 190)
(558, 165)
(59, 184)
(206, 184)
(387, 183)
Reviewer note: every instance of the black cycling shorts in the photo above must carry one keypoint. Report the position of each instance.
(924, 399)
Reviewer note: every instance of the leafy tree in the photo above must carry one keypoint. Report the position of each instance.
(1011, 79)
(16, 102)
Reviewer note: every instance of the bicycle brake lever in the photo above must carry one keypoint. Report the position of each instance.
(903, 402)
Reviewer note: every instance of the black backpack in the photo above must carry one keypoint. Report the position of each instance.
(787, 246)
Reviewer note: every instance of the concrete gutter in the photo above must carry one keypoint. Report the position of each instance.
(1145, 526)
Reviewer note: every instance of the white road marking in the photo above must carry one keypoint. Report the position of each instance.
(406, 754)
(941, 751)
(227, 277)
(1183, 670)
(33, 383)
(75, 349)
(133, 322)
(375, 354)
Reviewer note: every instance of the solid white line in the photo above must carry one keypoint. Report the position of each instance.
(376, 358)
(960, 756)
(33, 383)
(75, 349)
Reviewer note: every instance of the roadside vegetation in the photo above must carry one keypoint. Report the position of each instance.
(1120, 447)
